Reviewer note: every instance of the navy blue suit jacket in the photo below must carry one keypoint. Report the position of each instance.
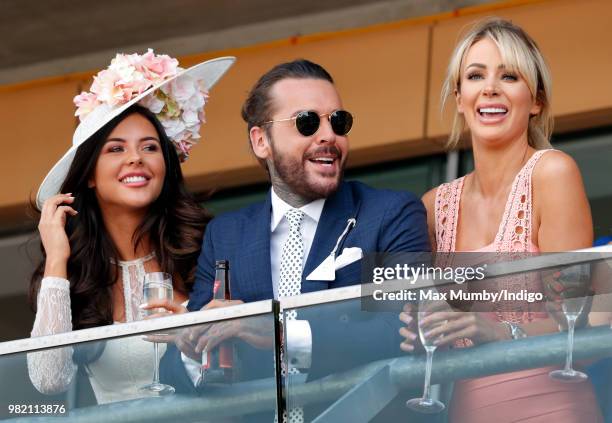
(387, 221)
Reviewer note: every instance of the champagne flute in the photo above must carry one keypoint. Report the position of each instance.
(157, 286)
(572, 304)
(427, 404)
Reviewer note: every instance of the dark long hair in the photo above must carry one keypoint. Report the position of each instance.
(174, 225)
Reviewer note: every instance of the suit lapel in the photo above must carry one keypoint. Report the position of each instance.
(337, 210)
(254, 259)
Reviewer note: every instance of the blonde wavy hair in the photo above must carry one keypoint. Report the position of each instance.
(519, 54)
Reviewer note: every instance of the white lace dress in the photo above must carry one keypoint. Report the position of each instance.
(124, 365)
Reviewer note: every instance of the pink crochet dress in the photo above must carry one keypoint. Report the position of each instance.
(523, 396)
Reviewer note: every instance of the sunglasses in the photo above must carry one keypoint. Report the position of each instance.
(307, 122)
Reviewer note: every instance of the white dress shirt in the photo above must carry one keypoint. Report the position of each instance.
(299, 335)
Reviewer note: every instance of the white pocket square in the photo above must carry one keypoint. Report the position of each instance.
(326, 271)
(348, 256)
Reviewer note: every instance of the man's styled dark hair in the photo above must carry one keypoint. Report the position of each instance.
(257, 108)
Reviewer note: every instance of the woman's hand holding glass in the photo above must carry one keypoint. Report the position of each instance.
(161, 308)
(408, 332)
(447, 326)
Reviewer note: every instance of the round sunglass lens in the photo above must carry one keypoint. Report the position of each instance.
(341, 122)
(307, 123)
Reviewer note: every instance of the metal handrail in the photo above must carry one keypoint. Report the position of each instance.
(136, 328)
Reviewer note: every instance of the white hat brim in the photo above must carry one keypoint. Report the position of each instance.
(208, 72)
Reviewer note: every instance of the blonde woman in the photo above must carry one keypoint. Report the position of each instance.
(521, 197)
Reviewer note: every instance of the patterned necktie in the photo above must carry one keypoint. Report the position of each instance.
(290, 284)
(291, 259)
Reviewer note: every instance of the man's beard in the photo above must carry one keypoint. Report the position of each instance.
(293, 175)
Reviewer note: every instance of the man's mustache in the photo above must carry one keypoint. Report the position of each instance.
(326, 151)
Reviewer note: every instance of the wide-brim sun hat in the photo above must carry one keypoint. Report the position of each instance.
(177, 97)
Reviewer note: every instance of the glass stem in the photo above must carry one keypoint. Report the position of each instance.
(156, 364)
(571, 322)
(428, 363)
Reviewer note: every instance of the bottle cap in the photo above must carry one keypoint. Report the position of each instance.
(223, 264)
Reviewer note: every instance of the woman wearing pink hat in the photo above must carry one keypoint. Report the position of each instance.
(114, 208)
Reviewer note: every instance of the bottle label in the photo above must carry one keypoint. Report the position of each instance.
(205, 360)
(226, 356)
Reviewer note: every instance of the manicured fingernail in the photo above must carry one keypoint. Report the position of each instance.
(143, 306)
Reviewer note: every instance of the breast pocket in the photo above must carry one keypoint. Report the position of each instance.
(349, 275)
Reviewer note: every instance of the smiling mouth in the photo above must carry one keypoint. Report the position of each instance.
(134, 180)
(492, 111)
(323, 161)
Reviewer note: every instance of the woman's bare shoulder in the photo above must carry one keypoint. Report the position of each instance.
(561, 206)
(556, 167)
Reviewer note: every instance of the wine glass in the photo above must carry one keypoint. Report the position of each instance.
(157, 286)
(573, 300)
(427, 306)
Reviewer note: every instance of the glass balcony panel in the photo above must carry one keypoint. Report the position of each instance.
(342, 356)
(222, 369)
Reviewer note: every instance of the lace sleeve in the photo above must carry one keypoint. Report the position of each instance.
(51, 371)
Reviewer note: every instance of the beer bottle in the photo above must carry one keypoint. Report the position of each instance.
(218, 364)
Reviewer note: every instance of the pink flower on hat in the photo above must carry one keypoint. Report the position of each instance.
(157, 68)
(178, 104)
(185, 147)
(106, 88)
(85, 103)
